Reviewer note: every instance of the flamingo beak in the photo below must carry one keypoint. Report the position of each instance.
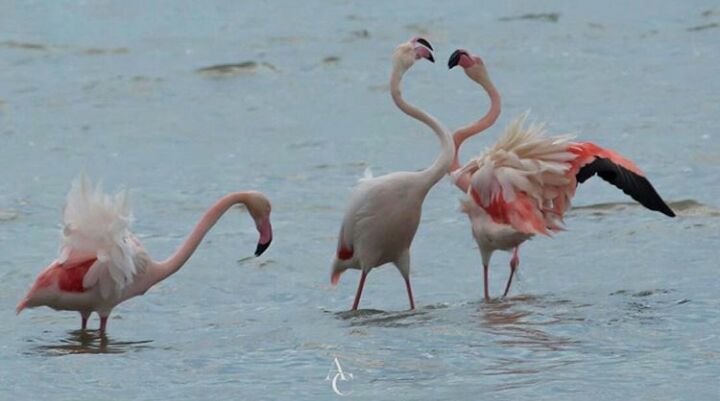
(455, 58)
(425, 43)
(265, 230)
(424, 50)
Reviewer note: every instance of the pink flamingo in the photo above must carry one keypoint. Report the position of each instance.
(384, 212)
(101, 263)
(523, 185)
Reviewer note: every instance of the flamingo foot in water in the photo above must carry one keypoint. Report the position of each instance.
(410, 295)
(485, 281)
(514, 262)
(359, 290)
(83, 324)
(103, 325)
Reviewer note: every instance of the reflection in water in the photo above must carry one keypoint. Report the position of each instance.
(89, 342)
(521, 323)
(516, 343)
(360, 313)
(379, 318)
(517, 321)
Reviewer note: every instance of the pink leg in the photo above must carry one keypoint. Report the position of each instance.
(84, 317)
(103, 325)
(485, 280)
(410, 296)
(514, 262)
(359, 290)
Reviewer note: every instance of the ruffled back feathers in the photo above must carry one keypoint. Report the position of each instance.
(523, 179)
(98, 225)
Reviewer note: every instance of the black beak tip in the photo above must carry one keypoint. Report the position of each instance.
(261, 248)
(431, 58)
(454, 59)
(425, 43)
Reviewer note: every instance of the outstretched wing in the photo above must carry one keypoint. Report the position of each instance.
(96, 226)
(620, 172)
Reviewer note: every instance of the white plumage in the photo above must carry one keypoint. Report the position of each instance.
(97, 225)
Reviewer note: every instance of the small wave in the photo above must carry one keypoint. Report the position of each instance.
(234, 69)
(685, 207)
(547, 17)
(645, 306)
(8, 214)
(703, 27)
(644, 293)
(23, 45)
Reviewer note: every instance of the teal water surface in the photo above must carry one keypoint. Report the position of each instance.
(624, 305)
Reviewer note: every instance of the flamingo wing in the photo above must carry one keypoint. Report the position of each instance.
(357, 208)
(68, 276)
(630, 182)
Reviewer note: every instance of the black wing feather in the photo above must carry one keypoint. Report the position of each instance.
(635, 185)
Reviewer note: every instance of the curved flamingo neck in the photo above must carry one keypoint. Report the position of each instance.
(463, 181)
(159, 271)
(437, 169)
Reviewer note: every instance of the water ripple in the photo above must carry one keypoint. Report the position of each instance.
(87, 342)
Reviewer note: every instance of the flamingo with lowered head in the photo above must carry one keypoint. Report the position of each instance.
(384, 212)
(101, 263)
(523, 185)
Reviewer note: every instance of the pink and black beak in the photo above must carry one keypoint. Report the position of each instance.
(265, 230)
(424, 49)
(455, 58)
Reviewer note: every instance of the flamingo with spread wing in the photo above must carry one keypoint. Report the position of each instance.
(523, 185)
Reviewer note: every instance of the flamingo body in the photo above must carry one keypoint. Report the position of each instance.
(383, 213)
(527, 180)
(380, 222)
(524, 184)
(101, 263)
(99, 258)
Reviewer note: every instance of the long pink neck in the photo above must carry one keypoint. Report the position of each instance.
(463, 181)
(162, 270)
(437, 169)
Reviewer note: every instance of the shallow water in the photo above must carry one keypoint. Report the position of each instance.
(623, 305)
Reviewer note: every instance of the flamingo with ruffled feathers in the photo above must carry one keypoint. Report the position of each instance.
(101, 263)
(383, 213)
(524, 184)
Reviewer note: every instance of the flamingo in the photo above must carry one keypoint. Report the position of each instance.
(101, 263)
(383, 213)
(524, 184)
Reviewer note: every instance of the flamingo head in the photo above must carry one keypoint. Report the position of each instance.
(464, 59)
(415, 49)
(473, 65)
(259, 207)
